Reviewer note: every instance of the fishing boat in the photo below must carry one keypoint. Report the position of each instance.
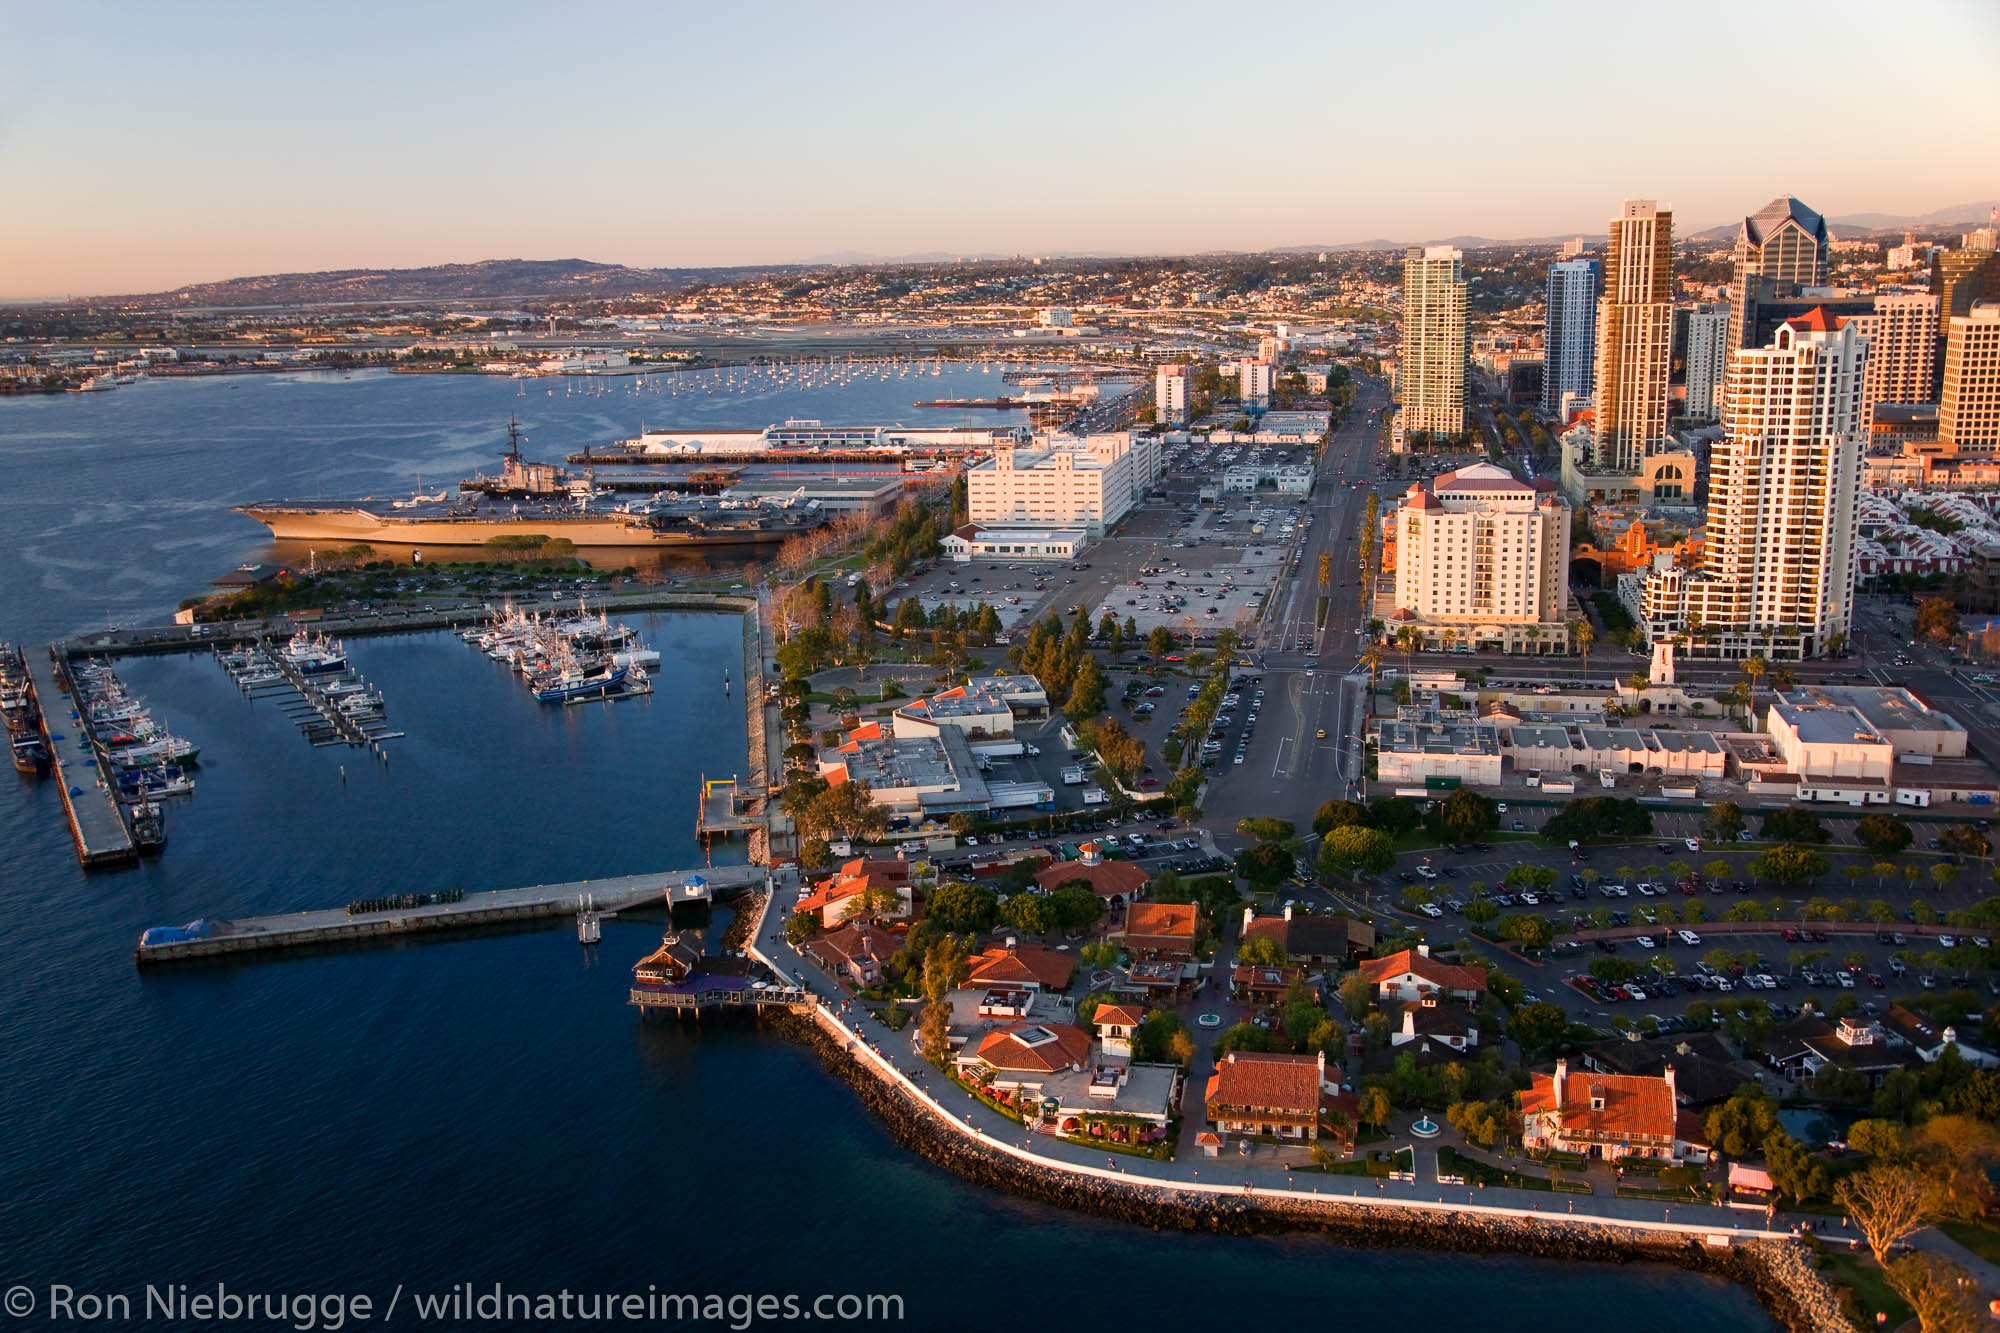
(576, 681)
(315, 655)
(147, 783)
(30, 754)
(149, 827)
(154, 754)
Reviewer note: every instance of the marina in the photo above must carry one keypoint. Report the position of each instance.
(315, 688)
(96, 825)
(211, 938)
(568, 659)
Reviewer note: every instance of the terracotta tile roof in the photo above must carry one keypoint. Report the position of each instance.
(1632, 1104)
(1161, 926)
(1284, 1083)
(1445, 976)
(1036, 1048)
(1125, 1015)
(856, 940)
(1106, 878)
(1022, 963)
(1312, 936)
(1816, 320)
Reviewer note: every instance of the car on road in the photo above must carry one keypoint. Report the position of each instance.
(1694, 844)
(1322, 733)
(1431, 910)
(1427, 872)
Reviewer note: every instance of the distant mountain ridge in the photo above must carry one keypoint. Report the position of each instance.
(483, 280)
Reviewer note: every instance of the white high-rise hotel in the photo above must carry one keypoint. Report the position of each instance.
(1431, 376)
(1064, 482)
(1482, 559)
(1170, 395)
(1777, 573)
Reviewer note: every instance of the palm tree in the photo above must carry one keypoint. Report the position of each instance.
(1586, 634)
(1408, 638)
(1371, 657)
(1532, 634)
(1755, 669)
(1450, 639)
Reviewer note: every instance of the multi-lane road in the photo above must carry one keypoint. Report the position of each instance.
(1308, 743)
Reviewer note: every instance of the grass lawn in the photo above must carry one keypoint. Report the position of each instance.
(1451, 1162)
(1867, 1292)
(1982, 1241)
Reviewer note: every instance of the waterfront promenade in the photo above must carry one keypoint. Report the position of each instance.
(498, 907)
(892, 1057)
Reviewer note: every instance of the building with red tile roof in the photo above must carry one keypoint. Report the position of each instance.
(1116, 882)
(857, 950)
(1411, 975)
(1031, 965)
(838, 897)
(1167, 930)
(1605, 1116)
(1031, 1048)
(1257, 1093)
(1116, 1025)
(1315, 940)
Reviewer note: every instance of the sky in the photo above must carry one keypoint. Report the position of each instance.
(147, 146)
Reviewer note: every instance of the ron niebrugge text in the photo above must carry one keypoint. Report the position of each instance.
(463, 1302)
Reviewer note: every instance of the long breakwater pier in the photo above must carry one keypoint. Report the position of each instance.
(90, 804)
(544, 902)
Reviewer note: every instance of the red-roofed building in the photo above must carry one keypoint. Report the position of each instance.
(1023, 1055)
(1116, 882)
(856, 951)
(1029, 965)
(1116, 1025)
(1162, 930)
(1410, 976)
(1259, 1094)
(1605, 1116)
(839, 896)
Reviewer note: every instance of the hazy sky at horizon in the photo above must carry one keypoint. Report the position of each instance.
(145, 147)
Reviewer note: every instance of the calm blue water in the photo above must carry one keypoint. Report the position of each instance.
(483, 1109)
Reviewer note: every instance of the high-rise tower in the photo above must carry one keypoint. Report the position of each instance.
(1635, 336)
(1432, 373)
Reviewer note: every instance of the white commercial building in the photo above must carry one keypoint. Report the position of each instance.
(1170, 395)
(1482, 560)
(1707, 359)
(1431, 376)
(1286, 478)
(1253, 382)
(971, 542)
(1779, 558)
(1063, 483)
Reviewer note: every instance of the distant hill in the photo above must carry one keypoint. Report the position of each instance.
(486, 280)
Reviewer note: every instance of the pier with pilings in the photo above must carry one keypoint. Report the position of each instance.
(432, 914)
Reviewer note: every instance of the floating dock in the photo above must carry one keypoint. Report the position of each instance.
(91, 804)
(544, 902)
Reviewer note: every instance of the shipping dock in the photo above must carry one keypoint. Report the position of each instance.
(439, 913)
(90, 803)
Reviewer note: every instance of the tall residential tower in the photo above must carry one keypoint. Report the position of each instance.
(1432, 373)
(1707, 359)
(1570, 344)
(1635, 336)
(1778, 561)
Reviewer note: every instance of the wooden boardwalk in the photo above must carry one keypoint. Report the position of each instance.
(95, 823)
(329, 926)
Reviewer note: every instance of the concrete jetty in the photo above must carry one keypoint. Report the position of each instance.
(213, 938)
(95, 824)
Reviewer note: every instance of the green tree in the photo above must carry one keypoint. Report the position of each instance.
(1086, 696)
(1266, 829)
(1724, 821)
(1739, 1127)
(1029, 913)
(962, 908)
(1075, 905)
(1538, 1029)
(1792, 825)
(1357, 996)
(1885, 835)
(1160, 642)
(1463, 816)
(1351, 849)
(1394, 815)
(1937, 620)
(1260, 951)
(1265, 865)
(1789, 865)
(1338, 814)
(1243, 1037)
